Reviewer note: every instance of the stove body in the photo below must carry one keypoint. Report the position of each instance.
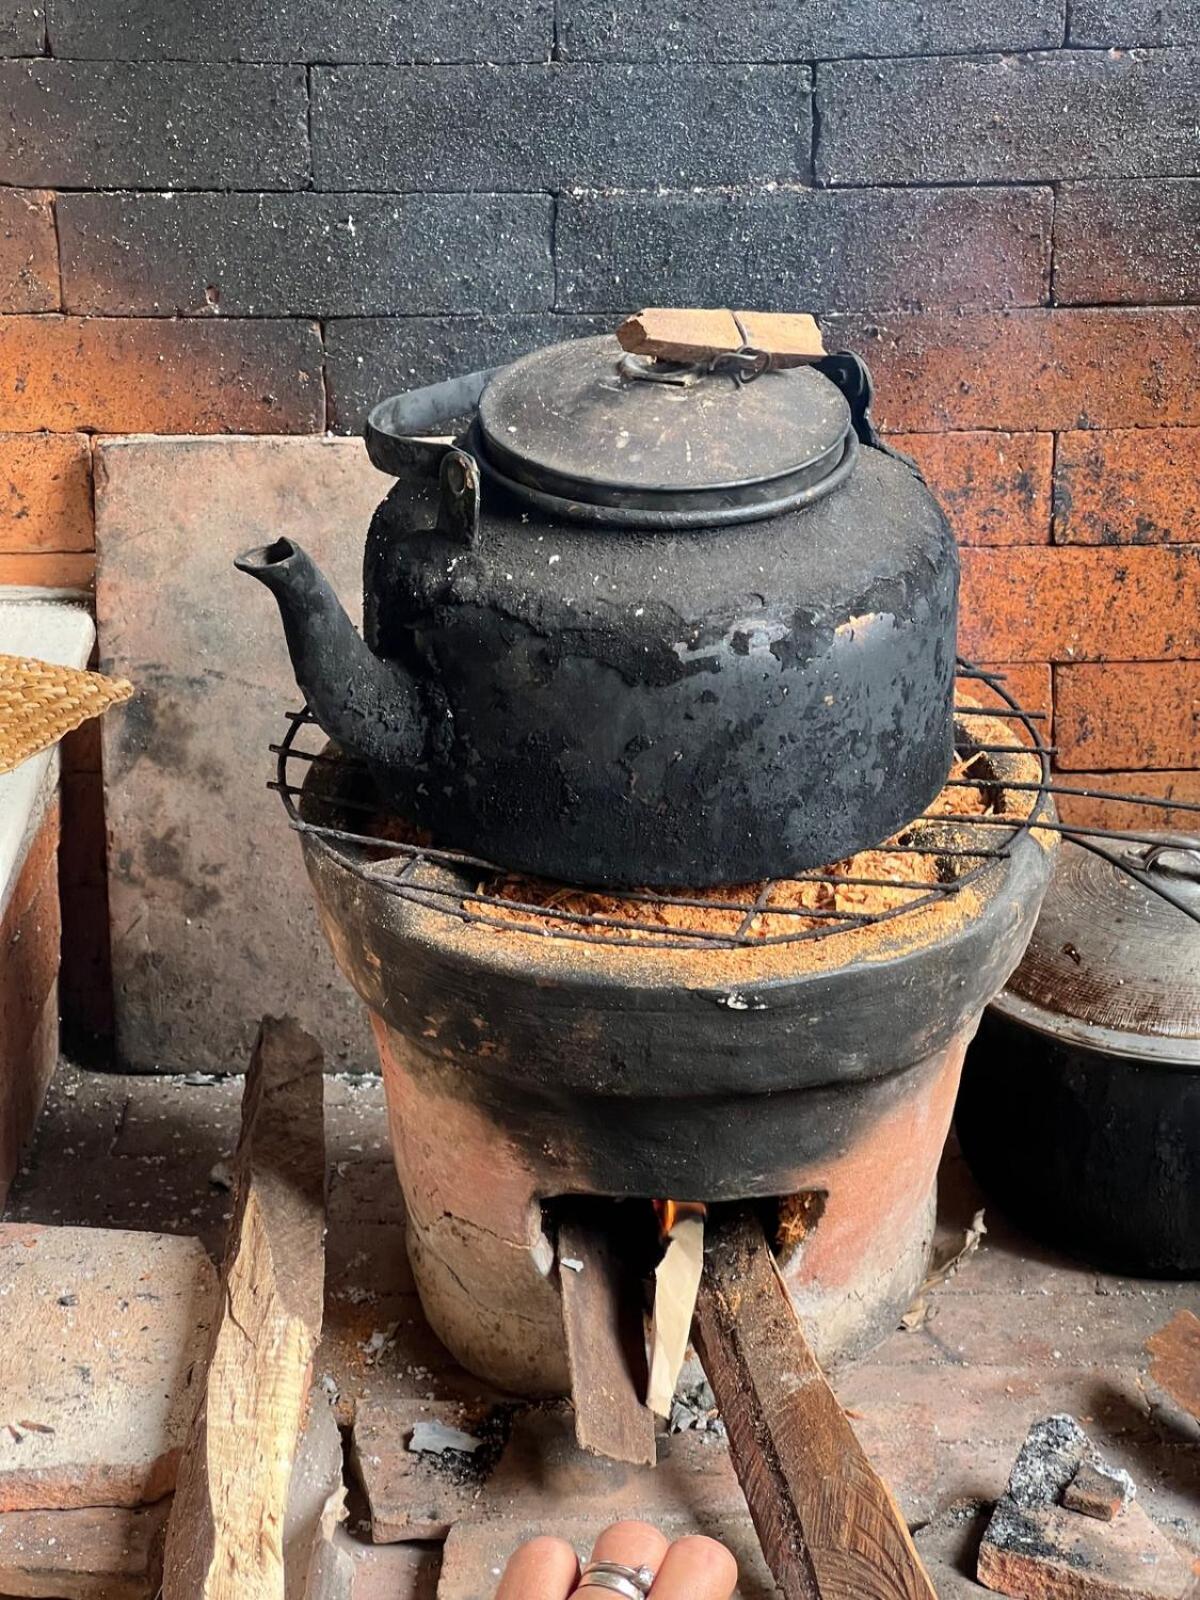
(520, 1069)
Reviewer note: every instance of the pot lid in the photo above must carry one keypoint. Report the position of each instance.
(1111, 965)
(583, 420)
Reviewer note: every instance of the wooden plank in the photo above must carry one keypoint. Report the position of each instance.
(606, 1345)
(225, 1538)
(829, 1527)
(792, 339)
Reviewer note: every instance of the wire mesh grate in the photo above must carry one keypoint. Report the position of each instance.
(332, 797)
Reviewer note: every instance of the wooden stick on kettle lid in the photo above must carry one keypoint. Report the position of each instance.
(791, 339)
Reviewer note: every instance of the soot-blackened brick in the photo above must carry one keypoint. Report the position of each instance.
(369, 358)
(22, 28)
(1128, 243)
(1126, 22)
(165, 125)
(814, 249)
(306, 254)
(1066, 114)
(304, 30)
(791, 30)
(1128, 486)
(28, 252)
(558, 126)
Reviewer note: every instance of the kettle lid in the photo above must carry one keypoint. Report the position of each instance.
(584, 423)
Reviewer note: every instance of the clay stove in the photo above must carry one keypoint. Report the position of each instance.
(533, 1049)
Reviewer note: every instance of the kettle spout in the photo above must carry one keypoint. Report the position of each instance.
(368, 706)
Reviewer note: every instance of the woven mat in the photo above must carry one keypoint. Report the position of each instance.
(40, 702)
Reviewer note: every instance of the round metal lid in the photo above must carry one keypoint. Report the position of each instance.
(565, 419)
(1112, 966)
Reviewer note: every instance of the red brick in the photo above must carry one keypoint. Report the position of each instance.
(1029, 684)
(45, 492)
(155, 375)
(1128, 486)
(1128, 714)
(1027, 681)
(1085, 812)
(1064, 604)
(96, 1553)
(1035, 368)
(109, 1370)
(28, 251)
(49, 570)
(994, 487)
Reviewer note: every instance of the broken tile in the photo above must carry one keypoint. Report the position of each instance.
(1098, 1491)
(414, 1493)
(106, 1332)
(1035, 1549)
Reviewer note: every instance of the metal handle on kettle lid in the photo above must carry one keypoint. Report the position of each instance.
(394, 427)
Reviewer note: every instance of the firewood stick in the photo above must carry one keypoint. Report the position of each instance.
(225, 1534)
(828, 1525)
(605, 1343)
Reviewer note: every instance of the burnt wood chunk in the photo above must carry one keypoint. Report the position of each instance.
(790, 338)
(606, 1348)
(225, 1538)
(828, 1524)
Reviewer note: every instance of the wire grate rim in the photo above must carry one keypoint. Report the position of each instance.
(453, 882)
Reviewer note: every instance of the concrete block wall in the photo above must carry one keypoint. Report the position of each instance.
(260, 218)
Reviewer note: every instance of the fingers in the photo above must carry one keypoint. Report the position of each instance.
(542, 1569)
(695, 1568)
(633, 1544)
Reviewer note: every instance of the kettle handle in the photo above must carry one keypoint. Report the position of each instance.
(394, 425)
(851, 374)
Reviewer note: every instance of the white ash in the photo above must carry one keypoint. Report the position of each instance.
(435, 1438)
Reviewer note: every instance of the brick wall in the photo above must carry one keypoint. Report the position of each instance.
(257, 218)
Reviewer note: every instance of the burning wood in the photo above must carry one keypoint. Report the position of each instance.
(676, 1284)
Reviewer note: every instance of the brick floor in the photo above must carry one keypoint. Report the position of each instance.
(1017, 1333)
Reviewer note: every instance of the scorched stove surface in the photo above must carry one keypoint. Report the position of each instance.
(532, 1051)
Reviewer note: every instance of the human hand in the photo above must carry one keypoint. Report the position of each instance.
(691, 1568)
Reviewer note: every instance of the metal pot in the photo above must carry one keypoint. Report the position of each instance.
(1080, 1105)
(641, 624)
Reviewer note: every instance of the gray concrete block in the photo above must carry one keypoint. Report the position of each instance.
(792, 30)
(307, 254)
(304, 30)
(1067, 114)
(212, 920)
(22, 28)
(369, 358)
(163, 125)
(1127, 22)
(1128, 243)
(813, 250)
(559, 125)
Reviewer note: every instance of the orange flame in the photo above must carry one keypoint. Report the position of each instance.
(670, 1211)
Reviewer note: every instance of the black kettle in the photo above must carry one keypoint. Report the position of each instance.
(641, 623)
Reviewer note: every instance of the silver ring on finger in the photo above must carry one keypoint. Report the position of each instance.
(631, 1583)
